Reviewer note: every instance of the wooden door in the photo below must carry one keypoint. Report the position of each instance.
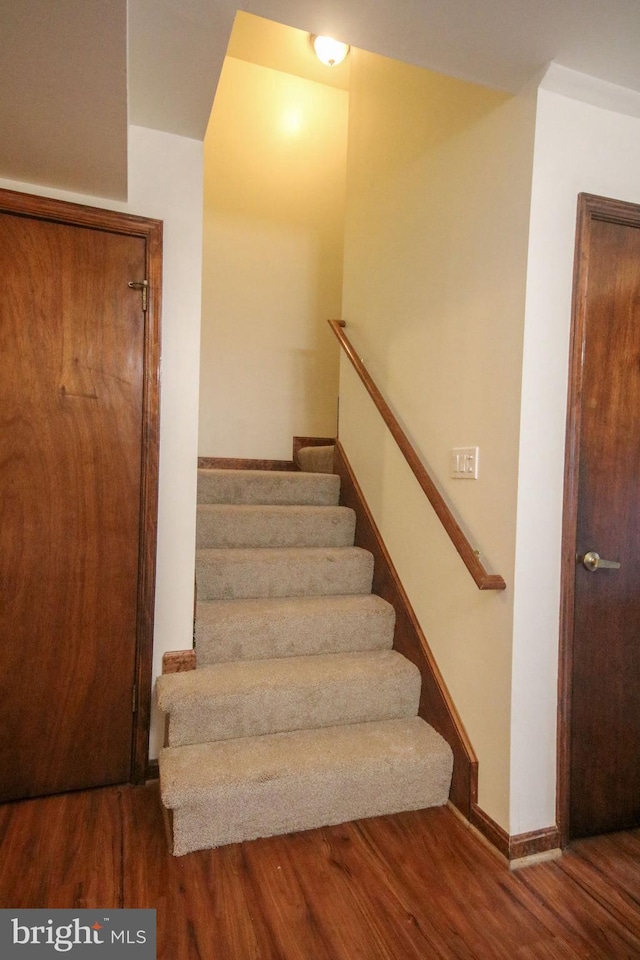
(603, 662)
(77, 496)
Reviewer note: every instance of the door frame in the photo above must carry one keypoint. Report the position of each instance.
(75, 214)
(590, 208)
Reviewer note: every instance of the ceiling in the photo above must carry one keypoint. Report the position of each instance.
(63, 93)
(72, 75)
(278, 47)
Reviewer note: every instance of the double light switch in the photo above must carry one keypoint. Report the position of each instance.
(464, 463)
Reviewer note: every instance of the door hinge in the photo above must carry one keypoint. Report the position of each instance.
(141, 285)
(134, 698)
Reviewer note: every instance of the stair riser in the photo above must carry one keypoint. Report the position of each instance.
(224, 526)
(238, 486)
(258, 636)
(318, 575)
(279, 709)
(235, 813)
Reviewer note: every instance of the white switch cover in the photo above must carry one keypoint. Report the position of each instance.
(464, 463)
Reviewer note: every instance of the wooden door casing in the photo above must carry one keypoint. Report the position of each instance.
(81, 399)
(599, 688)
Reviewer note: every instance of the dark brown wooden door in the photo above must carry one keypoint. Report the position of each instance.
(605, 677)
(72, 341)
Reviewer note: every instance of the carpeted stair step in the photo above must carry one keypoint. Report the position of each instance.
(233, 790)
(255, 525)
(315, 459)
(255, 629)
(268, 486)
(253, 698)
(299, 713)
(227, 574)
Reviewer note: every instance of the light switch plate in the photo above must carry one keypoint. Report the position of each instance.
(464, 463)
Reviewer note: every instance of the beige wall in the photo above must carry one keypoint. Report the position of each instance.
(275, 162)
(439, 177)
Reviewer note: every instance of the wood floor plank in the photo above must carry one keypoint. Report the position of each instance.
(617, 858)
(200, 900)
(63, 851)
(417, 886)
(582, 914)
(462, 880)
(357, 914)
(293, 919)
(610, 898)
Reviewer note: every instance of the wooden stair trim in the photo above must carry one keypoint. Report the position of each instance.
(515, 846)
(242, 463)
(239, 463)
(436, 705)
(178, 661)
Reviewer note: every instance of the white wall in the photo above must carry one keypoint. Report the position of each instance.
(165, 182)
(578, 148)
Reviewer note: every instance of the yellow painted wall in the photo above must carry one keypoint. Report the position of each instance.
(274, 191)
(439, 185)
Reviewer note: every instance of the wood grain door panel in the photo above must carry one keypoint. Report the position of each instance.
(72, 364)
(604, 730)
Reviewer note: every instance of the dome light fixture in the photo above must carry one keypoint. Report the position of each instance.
(329, 51)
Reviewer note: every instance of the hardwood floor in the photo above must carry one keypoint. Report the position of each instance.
(410, 887)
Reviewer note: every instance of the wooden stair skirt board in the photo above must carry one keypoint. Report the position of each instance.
(237, 463)
(299, 713)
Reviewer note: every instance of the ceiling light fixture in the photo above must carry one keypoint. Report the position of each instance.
(329, 51)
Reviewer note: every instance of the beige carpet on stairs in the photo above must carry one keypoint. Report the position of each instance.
(299, 713)
(315, 459)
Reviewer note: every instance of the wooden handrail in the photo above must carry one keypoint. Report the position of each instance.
(470, 558)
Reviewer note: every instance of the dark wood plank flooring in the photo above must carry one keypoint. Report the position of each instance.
(411, 887)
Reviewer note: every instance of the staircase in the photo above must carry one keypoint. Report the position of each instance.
(299, 713)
